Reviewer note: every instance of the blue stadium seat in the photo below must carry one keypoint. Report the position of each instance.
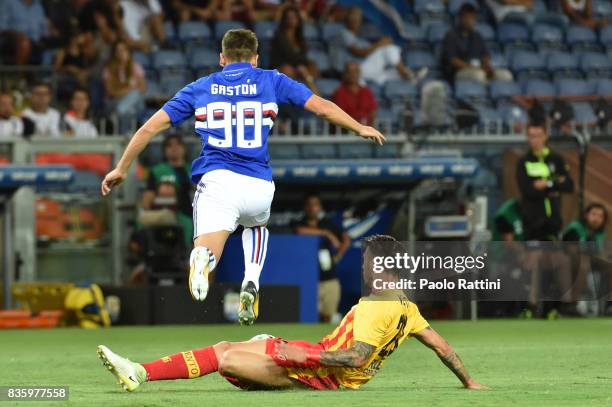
(361, 150)
(574, 87)
(512, 32)
(470, 90)
(331, 30)
(154, 91)
(538, 87)
(583, 113)
(318, 151)
(172, 82)
(170, 31)
(489, 116)
(370, 32)
(561, 61)
(551, 18)
(387, 150)
(539, 6)
(168, 59)
(436, 32)
(419, 59)
(400, 91)
(203, 58)
(143, 59)
(221, 27)
(486, 31)
(605, 35)
(416, 34)
(604, 87)
(546, 33)
(502, 90)
(499, 60)
(284, 151)
(429, 7)
(327, 87)
(265, 30)
(311, 32)
(320, 58)
(579, 35)
(527, 61)
(455, 5)
(596, 64)
(194, 31)
(512, 114)
(602, 8)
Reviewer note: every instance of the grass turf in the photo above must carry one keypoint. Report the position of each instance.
(527, 363)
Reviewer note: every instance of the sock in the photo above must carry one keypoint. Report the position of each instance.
(183, 365)
(255, 246)
(212, 262)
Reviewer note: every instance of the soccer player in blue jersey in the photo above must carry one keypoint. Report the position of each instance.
(234, 110)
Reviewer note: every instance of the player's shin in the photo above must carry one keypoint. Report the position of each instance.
(184, 365)
(255, 245)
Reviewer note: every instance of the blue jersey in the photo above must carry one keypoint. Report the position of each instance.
(235, 110)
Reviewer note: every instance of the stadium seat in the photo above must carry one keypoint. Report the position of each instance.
(387, 150)
(486, 31)
(168, 59)
(563, 65)
(502, 90)
(489, 116)
(596, 64)
(143, 59)
(527, 61)
(583, 113)
(356, 151)
(419, 59)
(318, 151)
(331, 30)
(499, 60)
(284, 151)
(221, 27)
(370, 32)
(416, 36)
(551, 18)
(265, 30)
(321, 59)
(573, 87)
(170, 31)
(604, 87)
(203, 58)
(326, 86)
(193, 31)
(539, 88)
(172, 82)
(602, 8)
(580, 36)
(436, 32)
(605, 35)
(429, 7)
(400, 91)
(512, 114)
(455, 5)
(311, 32)
(546, 33)
(470, 90)
(512, 32)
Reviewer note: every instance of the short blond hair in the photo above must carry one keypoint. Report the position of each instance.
(239, 45)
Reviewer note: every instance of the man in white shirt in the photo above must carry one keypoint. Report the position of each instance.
(142, 13)
(46, 119)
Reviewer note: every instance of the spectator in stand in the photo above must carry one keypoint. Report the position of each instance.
(175, 169)
(12, 125)
(354, 98)
(238, 10)
(335, 241)
(189, 10)
(288, 49)
(46, 119)
(71, 60)
(103, 18)
(464, 52)
(76, 122)
(143, 22)
(23, 26)
(581, 12)
(124, 83)
(501, 8)
(380, 62)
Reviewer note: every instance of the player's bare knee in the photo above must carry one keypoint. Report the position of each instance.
(228, 363)
(220, 348)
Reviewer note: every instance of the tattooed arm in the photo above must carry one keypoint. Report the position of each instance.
(355, 356)
(447, 355)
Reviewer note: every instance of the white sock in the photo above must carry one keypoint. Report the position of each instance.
(255, 246)
(212, 262)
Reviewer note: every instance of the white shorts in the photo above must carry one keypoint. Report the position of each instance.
(225, 199)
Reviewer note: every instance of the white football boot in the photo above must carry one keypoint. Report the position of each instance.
(199, 268)
(129, 375)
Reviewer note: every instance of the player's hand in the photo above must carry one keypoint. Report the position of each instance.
(113, 178)
(472, 385)
(370, 133)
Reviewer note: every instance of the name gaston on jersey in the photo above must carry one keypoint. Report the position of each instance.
(233, 90)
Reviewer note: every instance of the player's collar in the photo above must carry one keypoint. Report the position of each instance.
(237, 66)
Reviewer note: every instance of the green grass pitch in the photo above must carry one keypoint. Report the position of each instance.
(527, 363)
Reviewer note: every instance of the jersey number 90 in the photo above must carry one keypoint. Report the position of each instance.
(243, 115)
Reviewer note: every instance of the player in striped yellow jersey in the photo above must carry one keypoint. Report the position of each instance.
(346, 358)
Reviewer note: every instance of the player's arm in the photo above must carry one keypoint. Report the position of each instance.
(448, 356)
(158, 122)
(329, 111)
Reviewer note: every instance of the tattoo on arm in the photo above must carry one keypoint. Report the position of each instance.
(355, 356)
(454, 363)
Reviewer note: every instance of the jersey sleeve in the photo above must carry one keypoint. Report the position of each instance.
(181, 106)
(420, 323)
(290, 91)
(370, 323)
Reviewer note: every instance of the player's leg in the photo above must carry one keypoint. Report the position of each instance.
(215, 217)
(254, 371)
(254, 215)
